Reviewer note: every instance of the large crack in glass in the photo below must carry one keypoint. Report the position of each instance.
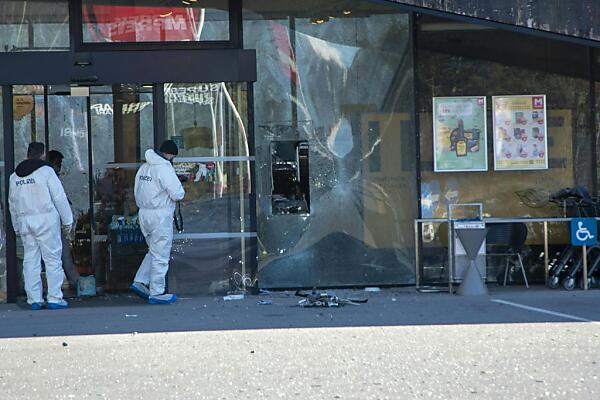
(362, 188)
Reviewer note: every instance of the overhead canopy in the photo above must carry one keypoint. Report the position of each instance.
(573, 18)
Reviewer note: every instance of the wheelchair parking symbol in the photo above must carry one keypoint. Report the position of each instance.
(584, 231)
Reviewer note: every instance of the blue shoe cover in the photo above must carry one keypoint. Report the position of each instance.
(37, 306)
(140, 290)
(162, 299)
(58, 306)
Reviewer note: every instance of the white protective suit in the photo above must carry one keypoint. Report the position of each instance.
(38, 206)
(157, 188)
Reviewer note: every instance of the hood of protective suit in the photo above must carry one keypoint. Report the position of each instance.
(154, 158)
(27, 167)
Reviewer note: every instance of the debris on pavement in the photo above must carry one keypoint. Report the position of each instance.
(230, 297)
(264, 302)
(372, 289)
(324, 299)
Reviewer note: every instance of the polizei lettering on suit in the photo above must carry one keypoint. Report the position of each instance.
(27, 181)
(145, 178)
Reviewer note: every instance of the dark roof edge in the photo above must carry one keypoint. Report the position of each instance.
(491, 23)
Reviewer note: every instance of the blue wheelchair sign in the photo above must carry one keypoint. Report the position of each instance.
(584, 232)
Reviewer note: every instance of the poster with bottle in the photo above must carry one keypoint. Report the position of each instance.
(459, 134)
(520, 132)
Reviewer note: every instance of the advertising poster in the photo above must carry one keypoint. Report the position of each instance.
(520, 132)
(459, 134)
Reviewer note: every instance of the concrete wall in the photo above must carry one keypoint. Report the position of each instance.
(580, 18)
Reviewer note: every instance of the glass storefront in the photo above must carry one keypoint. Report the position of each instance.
(314, 174)
(155, 21)
(482, 65)
(465, 70)
(34, 25)
(316, 67)
(98, 136)
(103, 136)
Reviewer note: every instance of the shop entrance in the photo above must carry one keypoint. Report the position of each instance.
(99, 133)
(102, 132)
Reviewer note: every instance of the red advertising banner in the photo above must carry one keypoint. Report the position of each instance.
(140, 24)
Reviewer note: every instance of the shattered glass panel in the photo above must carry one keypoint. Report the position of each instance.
(316, 63)
(40, 25)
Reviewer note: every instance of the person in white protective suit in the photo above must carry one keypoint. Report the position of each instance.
(157, 189)
(38, 207)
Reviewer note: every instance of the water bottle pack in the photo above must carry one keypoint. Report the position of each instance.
(127, 230)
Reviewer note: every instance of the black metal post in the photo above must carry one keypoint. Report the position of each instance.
(593, 121)
(236, 35)
(75, 25)
(9, 166)
(414, 24)
(46, 121)
(159, 114)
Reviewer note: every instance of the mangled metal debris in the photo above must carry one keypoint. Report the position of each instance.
(324, 299)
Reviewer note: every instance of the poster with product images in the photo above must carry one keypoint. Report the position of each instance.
(520, 132)
(459, 134)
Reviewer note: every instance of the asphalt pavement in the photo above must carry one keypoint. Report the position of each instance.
(513, 344)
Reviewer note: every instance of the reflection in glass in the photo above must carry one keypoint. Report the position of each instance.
(477, 66)
(207, 119)
(217, 196)
(506, 193)
(155, 21)
(29, 120)
(34, 25)
(29, 126)
(316, 63)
